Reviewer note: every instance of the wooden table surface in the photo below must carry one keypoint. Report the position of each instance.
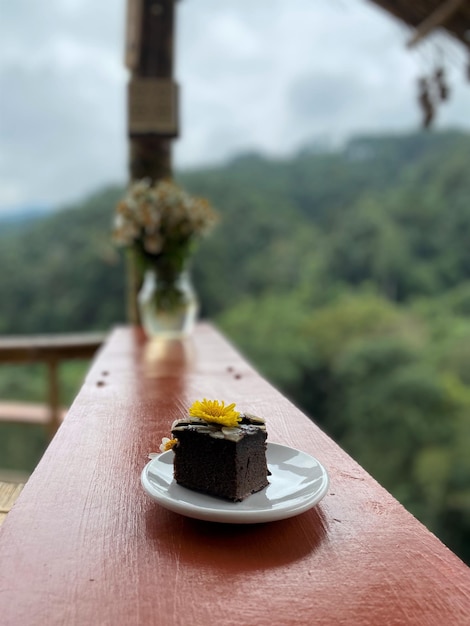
(84, 545)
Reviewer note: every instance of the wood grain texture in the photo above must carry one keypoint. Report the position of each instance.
(85, 545)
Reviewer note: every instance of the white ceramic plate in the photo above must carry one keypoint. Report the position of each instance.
(297, 482)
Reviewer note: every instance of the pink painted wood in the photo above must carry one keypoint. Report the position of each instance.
(85, 545)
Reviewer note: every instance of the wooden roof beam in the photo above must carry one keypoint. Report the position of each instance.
(437, 18)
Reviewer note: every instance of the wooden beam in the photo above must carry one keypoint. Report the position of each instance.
(28, 413)
(133, 33)
(43, 348)
(85, 545)
(150, 152)
(149, 56)
(437, 18)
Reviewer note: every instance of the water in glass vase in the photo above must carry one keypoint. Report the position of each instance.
(167, 308)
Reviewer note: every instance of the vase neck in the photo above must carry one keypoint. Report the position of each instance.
(167, 273)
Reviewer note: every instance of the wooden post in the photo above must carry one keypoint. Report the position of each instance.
(53, 388)
(152, 102)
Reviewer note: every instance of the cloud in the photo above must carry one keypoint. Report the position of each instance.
(323, 97)
(62, 113)
(286, 71)
(264, 75)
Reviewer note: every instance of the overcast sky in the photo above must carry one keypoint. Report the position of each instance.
(265, 75)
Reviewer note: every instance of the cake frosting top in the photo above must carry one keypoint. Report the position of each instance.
(217, 420)
(247, 425)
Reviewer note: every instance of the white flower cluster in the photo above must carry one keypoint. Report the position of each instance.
(159, 216)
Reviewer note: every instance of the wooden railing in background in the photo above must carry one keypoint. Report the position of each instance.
(50, 350)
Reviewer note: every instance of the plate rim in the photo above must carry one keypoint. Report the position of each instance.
(244, 516)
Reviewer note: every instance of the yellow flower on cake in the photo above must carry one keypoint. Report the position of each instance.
(215, 412)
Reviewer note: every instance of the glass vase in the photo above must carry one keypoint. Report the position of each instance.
(168, 303)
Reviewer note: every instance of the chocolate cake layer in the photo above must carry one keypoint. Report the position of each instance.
(225, 462)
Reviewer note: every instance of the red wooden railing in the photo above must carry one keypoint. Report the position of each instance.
(84, 544)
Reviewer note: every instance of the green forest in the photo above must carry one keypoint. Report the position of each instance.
(343, 276)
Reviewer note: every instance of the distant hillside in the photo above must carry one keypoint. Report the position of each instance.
(63, 271)
(391, 211)
(12, 221)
